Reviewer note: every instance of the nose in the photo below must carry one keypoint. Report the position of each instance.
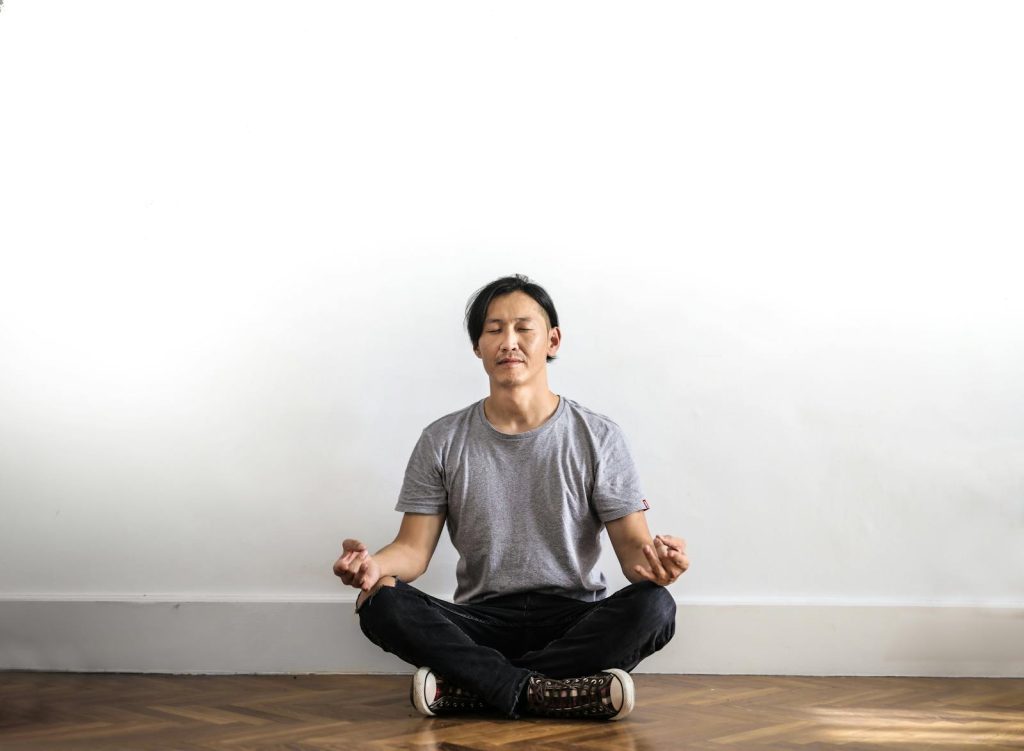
(509, 341)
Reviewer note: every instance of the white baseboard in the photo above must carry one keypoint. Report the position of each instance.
(246, 636)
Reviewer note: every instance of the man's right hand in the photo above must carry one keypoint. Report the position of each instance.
(356, 567)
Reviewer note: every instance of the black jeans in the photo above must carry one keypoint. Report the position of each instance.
(493, 647)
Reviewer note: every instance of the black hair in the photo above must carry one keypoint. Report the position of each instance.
(476, 309)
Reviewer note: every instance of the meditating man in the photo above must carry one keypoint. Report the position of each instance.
(525, 480)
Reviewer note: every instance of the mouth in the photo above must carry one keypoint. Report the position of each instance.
(511, 362)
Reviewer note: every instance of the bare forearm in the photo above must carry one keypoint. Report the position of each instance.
(401, 561)
(632, 557)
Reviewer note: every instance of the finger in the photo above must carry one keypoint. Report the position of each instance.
(360, 564)
(669, 565)
(676, 543)
(683, 561)
(655, 562)
(355, 558)
(677, 559)
(352, 566)
(675, 564)
(673, 572)
(349, 545)
(679, 566)
(341, 566)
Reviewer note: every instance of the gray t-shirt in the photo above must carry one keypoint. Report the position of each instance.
(525, 511)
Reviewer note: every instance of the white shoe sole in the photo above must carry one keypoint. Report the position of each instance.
(419, 689)
(628, 693)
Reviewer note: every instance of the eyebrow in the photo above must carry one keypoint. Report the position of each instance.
(502, 320)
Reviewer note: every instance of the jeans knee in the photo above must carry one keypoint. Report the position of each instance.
(376, 617)
(656, 605)
(666, 606)
(364, 597)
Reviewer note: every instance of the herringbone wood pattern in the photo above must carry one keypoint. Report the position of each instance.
(116, 711)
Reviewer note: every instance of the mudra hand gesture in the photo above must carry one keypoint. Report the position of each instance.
(666, 559)
(356, 567)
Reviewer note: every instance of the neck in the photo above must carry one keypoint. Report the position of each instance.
(519, 410)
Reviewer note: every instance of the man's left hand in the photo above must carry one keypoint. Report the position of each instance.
(666, 560)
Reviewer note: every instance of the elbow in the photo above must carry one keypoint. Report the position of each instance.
(419, 568)
(632, 576)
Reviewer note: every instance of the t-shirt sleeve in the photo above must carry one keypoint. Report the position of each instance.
(617, 490)
(423, 490)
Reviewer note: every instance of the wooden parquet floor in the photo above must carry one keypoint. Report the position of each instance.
(61, 711)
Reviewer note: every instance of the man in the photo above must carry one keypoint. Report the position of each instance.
(525, 480)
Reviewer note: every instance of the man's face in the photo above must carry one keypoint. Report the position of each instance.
(516, 340)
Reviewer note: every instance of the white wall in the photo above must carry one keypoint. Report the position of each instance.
(784, 240)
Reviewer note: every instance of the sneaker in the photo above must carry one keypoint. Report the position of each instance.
(607, 695)
(432, 695)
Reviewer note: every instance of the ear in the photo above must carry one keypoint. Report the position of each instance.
(554, 340)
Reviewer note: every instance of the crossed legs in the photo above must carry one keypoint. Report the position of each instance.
(492, 648)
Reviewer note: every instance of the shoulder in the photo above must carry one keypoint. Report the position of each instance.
(444, 427)
(599, 425)
(437, 439)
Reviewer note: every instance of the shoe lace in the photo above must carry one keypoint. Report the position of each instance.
(587, 695)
